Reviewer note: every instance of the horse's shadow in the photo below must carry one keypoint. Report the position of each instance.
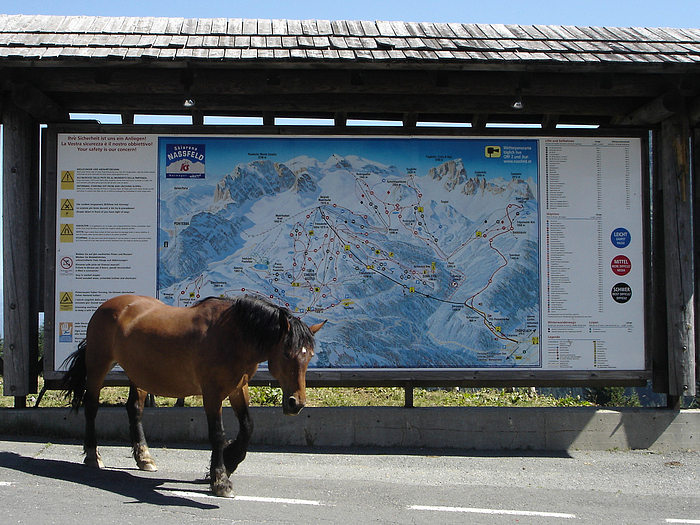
(122, 482)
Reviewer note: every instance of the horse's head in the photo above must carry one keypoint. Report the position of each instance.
(289, 362)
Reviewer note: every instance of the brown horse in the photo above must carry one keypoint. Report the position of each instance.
(211, 349)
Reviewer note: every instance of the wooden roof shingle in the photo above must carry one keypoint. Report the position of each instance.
(39, 37)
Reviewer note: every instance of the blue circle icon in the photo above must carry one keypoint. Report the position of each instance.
(621, 237)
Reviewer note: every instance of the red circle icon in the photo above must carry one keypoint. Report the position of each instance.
(621, 265)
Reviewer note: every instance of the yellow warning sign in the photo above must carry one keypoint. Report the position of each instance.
(66, 233)
(67, 207)
(65, 301)
(493, 152)
(67, 180)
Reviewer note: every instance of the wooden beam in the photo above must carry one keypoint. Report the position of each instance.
(138, 81)
(680, 260)
(21, 251)
(37, 104)
(353, 103)
(655, 111)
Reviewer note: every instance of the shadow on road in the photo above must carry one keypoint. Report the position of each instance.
(124, 483)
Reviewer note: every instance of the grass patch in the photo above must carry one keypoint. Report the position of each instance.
(346, 396)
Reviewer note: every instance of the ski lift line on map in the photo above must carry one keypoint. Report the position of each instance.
(359, 181)
(371, 268)
(474, 238)
(431, 241)
(490, 280)
(505, 260)
(387, 206)
(277, 225)
(196, 285)
(487, 324)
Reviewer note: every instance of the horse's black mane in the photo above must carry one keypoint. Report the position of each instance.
(259, 320)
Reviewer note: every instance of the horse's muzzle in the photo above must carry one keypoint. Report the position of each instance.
(291, 405)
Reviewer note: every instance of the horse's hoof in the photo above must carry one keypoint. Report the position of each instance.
(223, 489)
(147, 465)
(93, 462)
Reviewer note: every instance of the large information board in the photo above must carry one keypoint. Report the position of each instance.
(422, 253)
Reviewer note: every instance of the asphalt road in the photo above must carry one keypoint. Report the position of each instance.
(42, 483)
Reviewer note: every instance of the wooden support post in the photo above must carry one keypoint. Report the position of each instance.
(550, 121)
(268, 118)
(408, 395)
(410, 120)
(656, 305)
(20, 252)
(127, 117)
(695, 153)
(678, 240)
(340, 119)
(479, 121)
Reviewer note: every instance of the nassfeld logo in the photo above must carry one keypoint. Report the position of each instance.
(184, 161)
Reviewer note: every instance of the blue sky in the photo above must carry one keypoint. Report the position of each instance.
(620, 13)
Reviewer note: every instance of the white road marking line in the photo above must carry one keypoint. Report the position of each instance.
(495, 511)
(258, 499)
(279, 500)
(683, 521)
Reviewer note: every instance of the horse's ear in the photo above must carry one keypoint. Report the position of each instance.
(315, 328)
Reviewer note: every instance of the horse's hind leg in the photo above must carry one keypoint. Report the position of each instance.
(96, 371)
(91, 402)
(134, 407)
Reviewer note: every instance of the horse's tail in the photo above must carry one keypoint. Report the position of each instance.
(74, 381)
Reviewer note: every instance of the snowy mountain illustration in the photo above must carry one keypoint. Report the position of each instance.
(432, 269)
(252, 181)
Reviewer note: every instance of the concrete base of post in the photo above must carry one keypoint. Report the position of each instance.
(431, 428)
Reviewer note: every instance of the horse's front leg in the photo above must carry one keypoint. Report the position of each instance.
(220, 484)
(134, 407)
(235, 451)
